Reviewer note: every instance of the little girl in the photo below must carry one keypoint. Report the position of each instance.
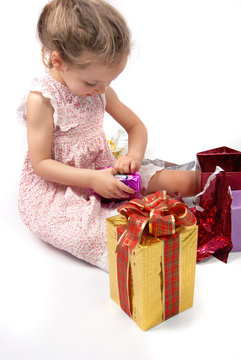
(85, 45)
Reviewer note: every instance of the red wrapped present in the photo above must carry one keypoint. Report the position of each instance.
(213, 213)
(228, 159)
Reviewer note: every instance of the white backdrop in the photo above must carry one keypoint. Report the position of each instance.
(183, 77)
(184, 81)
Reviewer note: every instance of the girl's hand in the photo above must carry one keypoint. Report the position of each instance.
(105, 184)
(127, 165)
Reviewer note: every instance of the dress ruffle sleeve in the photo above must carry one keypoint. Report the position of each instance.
(69, 110)
(37, 85)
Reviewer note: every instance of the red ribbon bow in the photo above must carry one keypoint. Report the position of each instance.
(163, 214)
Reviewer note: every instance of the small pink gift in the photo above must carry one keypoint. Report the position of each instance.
(236, 220)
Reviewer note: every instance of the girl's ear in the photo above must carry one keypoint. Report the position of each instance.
(56, 61)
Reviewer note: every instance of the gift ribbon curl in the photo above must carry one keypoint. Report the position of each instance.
(162, 213)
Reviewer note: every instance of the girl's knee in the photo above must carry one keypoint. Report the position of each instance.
(186, 182)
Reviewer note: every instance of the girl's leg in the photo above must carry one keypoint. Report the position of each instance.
(185, 182)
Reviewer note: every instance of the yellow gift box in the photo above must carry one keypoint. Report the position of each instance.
(145, 269)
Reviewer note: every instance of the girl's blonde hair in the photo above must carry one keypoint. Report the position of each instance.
(77, 29)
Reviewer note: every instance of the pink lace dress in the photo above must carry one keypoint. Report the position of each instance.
(70, 218)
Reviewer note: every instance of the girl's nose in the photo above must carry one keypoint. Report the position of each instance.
(101, 88)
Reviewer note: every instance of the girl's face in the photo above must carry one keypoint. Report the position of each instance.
(89, 81)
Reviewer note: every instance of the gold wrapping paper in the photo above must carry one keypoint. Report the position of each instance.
(146, 290)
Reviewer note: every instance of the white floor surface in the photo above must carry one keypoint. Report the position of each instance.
(54, 306)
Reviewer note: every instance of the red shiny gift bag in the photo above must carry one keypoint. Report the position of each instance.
(213, 214)
(228, 159)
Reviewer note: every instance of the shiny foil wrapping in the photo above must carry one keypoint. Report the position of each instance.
(146, 275)
(133, 181)
(214, 218)
(228, 159)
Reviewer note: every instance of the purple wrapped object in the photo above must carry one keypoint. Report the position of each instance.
(236, 220)
(133, 181)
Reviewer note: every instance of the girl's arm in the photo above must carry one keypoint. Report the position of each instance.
(137, 133)
(40, 132)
